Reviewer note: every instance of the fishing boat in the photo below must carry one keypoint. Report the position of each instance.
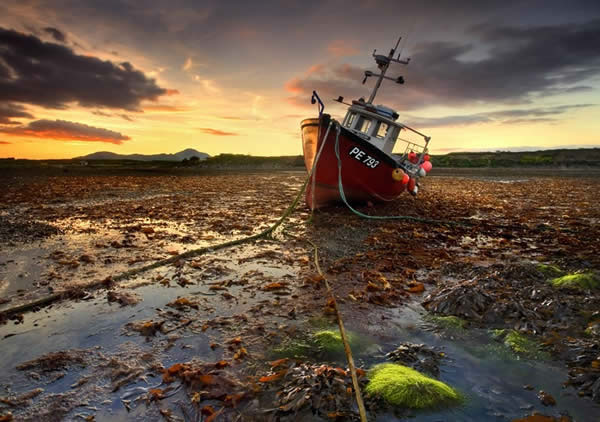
(354, 161)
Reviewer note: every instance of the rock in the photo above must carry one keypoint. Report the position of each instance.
(123, 297)
(404, 387)
(418, 357)
(467, 299)
(546, 399)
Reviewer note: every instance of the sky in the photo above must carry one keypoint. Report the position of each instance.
(149, 77)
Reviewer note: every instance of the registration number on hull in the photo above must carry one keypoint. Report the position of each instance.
(363, 157)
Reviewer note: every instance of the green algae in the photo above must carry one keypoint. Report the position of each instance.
(401, 386)
(448, 322)
(521, 344)
(549, 270)
(320, 322)
(592, 331)
(330, 341)
(296, 348)
(323, 344)
(583, 281)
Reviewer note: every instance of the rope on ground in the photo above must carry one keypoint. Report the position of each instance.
(347, 349)
(48, 300)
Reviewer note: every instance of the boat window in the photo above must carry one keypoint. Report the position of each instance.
(350, 120)
(364, 124)
(382, 130)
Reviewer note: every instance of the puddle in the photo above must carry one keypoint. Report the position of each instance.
(491, 378)
(101, 328)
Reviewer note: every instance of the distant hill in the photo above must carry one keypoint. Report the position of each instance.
(250, 161)
(186, 154)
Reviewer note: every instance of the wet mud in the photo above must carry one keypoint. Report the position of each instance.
(224, 336)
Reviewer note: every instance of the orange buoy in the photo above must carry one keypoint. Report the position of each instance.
(411, 185)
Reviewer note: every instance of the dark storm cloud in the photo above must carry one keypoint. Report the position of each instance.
(520, 64)
(510, 116)
(56, 34)
(53, 76)
(8, 110)
(66, 131)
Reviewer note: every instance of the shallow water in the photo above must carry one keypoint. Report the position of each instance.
(490, 377)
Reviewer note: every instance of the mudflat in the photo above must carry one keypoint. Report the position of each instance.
(498, 299)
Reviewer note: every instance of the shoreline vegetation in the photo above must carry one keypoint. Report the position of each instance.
(588, 158)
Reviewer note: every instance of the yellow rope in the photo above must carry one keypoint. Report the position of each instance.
(359, 400)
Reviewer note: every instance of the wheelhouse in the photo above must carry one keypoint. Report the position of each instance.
(372, 126)
(378, 126)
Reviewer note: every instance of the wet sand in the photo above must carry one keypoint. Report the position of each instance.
(61, 231)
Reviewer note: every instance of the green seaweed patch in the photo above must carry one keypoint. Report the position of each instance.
(582, 281)
(401, 386)
(330, 342)
(521, 344)
(296, 348)
(448, 322)
(593, 330)
(320, 322)
(323, 344)
(550, 270)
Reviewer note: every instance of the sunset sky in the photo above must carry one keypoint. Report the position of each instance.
(235, 76)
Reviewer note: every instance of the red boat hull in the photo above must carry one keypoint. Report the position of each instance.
(366, 170)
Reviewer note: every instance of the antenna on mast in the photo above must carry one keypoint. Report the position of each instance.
(383, 62)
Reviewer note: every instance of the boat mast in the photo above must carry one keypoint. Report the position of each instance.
(383, 63)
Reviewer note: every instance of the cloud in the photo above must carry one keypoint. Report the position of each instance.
(329, 81)
(165, 108)
(65, 131)
(56, 34)
(342, 48)
(103, 114)
(509, 116)
(8, 110)
(217, 132)
(188, 64)
(5, 143)
(520, 65)
(208, 84)
(53, 76)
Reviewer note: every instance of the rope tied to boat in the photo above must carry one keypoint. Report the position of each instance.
(374, 217)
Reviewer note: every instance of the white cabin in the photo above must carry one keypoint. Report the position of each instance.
(376, 125)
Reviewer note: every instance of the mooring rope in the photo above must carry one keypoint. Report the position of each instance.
(47, 300)
(376, 217)
(359, 401)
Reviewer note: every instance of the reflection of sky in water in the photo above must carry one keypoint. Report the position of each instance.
(491, 379)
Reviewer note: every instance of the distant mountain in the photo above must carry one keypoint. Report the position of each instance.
(179, 156)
